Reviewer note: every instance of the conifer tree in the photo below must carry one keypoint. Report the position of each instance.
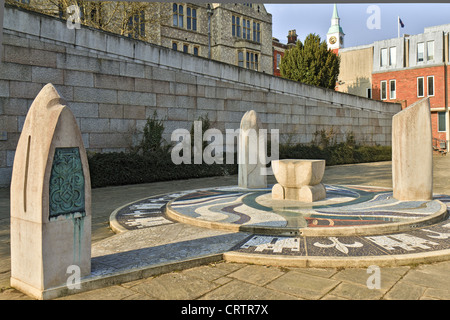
(311, 63)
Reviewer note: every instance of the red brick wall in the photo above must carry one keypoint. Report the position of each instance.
(406, 89)
(434, 125)
(406, 85)
(276, 72)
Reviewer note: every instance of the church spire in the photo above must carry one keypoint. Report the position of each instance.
(335, 35)
(335, 13)
(335, 22)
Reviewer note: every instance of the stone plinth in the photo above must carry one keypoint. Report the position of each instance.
(298, 180)
(50, 200)
(412, 153)
(251, 153)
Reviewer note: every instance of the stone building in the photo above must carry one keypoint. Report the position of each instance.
(238, 34)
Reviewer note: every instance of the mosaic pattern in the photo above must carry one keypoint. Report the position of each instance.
(66, 194)
(146, 213)
(150, 212)
(431, 238)
(344, 206)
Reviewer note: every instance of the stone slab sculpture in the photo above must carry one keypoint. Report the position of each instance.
(412, 153)
(251, 152)
(50, 200)
(298, 180)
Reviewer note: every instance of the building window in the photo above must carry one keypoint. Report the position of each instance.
(248, 29)
(195, 51)
(185, 48)
(420, 51)
(420, 88)
(174, 46)
(392, 89)
(430, 81)
(248, 59)
(383, 90)
(253, 61)
(191, 23)
(392, 56)
(244, 28)
(369, 93)
(136, 25)
(178, 15)
(258, 33)
(238, 27)
(278, 61)
(241, 59)
(383, 57)
(430, 50)
(442, 127)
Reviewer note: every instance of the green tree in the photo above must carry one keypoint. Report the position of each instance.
(311, 62)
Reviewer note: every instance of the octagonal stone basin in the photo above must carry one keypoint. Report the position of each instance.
(295, 173)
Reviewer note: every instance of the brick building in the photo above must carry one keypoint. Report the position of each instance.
(410, 68)
(280, 48)
(404, 70)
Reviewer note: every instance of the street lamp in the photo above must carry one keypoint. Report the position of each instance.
(209, 11)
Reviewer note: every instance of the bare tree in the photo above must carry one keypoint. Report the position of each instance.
(138, 20)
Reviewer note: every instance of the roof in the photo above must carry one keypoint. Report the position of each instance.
(335, 28)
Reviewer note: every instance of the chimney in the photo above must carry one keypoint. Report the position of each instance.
(292, 37)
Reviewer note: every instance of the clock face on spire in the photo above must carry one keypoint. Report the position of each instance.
(335, 34)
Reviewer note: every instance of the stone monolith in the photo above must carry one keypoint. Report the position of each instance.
(412, 153)
(50, 200)
(251, 152)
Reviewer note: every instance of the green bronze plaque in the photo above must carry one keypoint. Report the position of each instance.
(66, 194)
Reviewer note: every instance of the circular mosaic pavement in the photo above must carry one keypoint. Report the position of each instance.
(353, 226)
(347, 210)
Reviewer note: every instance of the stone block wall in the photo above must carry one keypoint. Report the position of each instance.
(113, 84)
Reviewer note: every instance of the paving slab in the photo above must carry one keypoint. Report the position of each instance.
(127, 260)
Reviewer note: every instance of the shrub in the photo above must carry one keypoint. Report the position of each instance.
(151, 161)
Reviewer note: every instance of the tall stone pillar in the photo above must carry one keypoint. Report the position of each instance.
(251, 152)
(412, 153)
(50, 200)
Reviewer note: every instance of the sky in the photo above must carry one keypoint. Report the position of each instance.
(316, 18)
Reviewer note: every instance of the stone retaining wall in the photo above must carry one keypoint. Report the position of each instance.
(113, 84)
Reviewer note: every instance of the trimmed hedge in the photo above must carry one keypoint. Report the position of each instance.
(150, 161)
(111, 169)
(341, 153)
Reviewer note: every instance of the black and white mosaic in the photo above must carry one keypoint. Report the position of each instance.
(150, 212)
(146, 213)
(431, 238)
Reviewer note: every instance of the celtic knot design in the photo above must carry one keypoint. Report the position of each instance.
(66, 183)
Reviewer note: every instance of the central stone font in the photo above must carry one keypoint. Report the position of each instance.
(299, 180)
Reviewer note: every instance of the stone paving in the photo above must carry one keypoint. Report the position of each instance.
(241, 281)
